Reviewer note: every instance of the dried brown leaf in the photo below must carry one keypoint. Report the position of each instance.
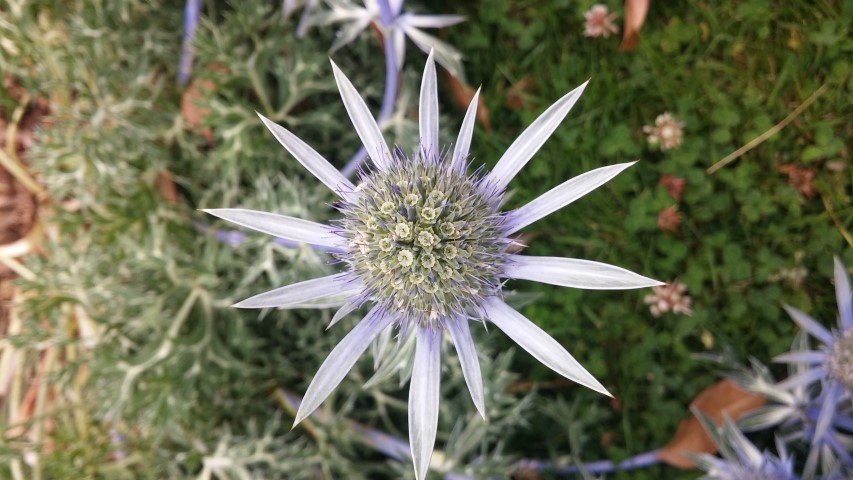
(635, 16)
(193, 110)
(165, 185)
(463, 94)
(17, 209)
(517, 97)
(800, 179)
(723, 397)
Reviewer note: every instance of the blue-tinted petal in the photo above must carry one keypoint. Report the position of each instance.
(466, 132)
(827, 410)
(362, 120)
(808, 356)
(529, 142)
(298, 294)
(309, 158)
(561, 196)
(341, 360)
(843, 296)
(282, 226)
(424, 398)
(803, 379)
(467, 352)
(538, 343)
(428, 112)
(575, 273)
(810, 325)
(433, 21)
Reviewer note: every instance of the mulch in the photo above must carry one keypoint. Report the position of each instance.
(18, 206)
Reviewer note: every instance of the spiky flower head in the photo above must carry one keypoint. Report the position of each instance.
(424, 243)
(424, 238)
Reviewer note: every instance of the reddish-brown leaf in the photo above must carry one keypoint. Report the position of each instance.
(635, 16)
(463, 94)
(800, 179)
(165, 185)
(193, 110)
(722, 397)
(517, 97)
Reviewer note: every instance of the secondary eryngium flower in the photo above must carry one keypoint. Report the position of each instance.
(389, 17)
(424, 242)
(832, 365)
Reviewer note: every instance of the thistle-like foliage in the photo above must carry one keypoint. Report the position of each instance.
(424, 243)
(741, 460)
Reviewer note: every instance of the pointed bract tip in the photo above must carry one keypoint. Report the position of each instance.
(298, 419)
(242, 304)
(262, 117)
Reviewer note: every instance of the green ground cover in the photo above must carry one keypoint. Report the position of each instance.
(127, 310)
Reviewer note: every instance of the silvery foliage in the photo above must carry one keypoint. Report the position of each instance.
(132, 298)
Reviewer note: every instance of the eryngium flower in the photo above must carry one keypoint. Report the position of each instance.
(832, 365)
(389, 18)
(424, 242)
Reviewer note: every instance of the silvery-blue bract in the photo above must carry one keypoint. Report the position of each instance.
(740, 459)
(424, 243)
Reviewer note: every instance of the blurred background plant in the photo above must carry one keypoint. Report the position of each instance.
(121, 359)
